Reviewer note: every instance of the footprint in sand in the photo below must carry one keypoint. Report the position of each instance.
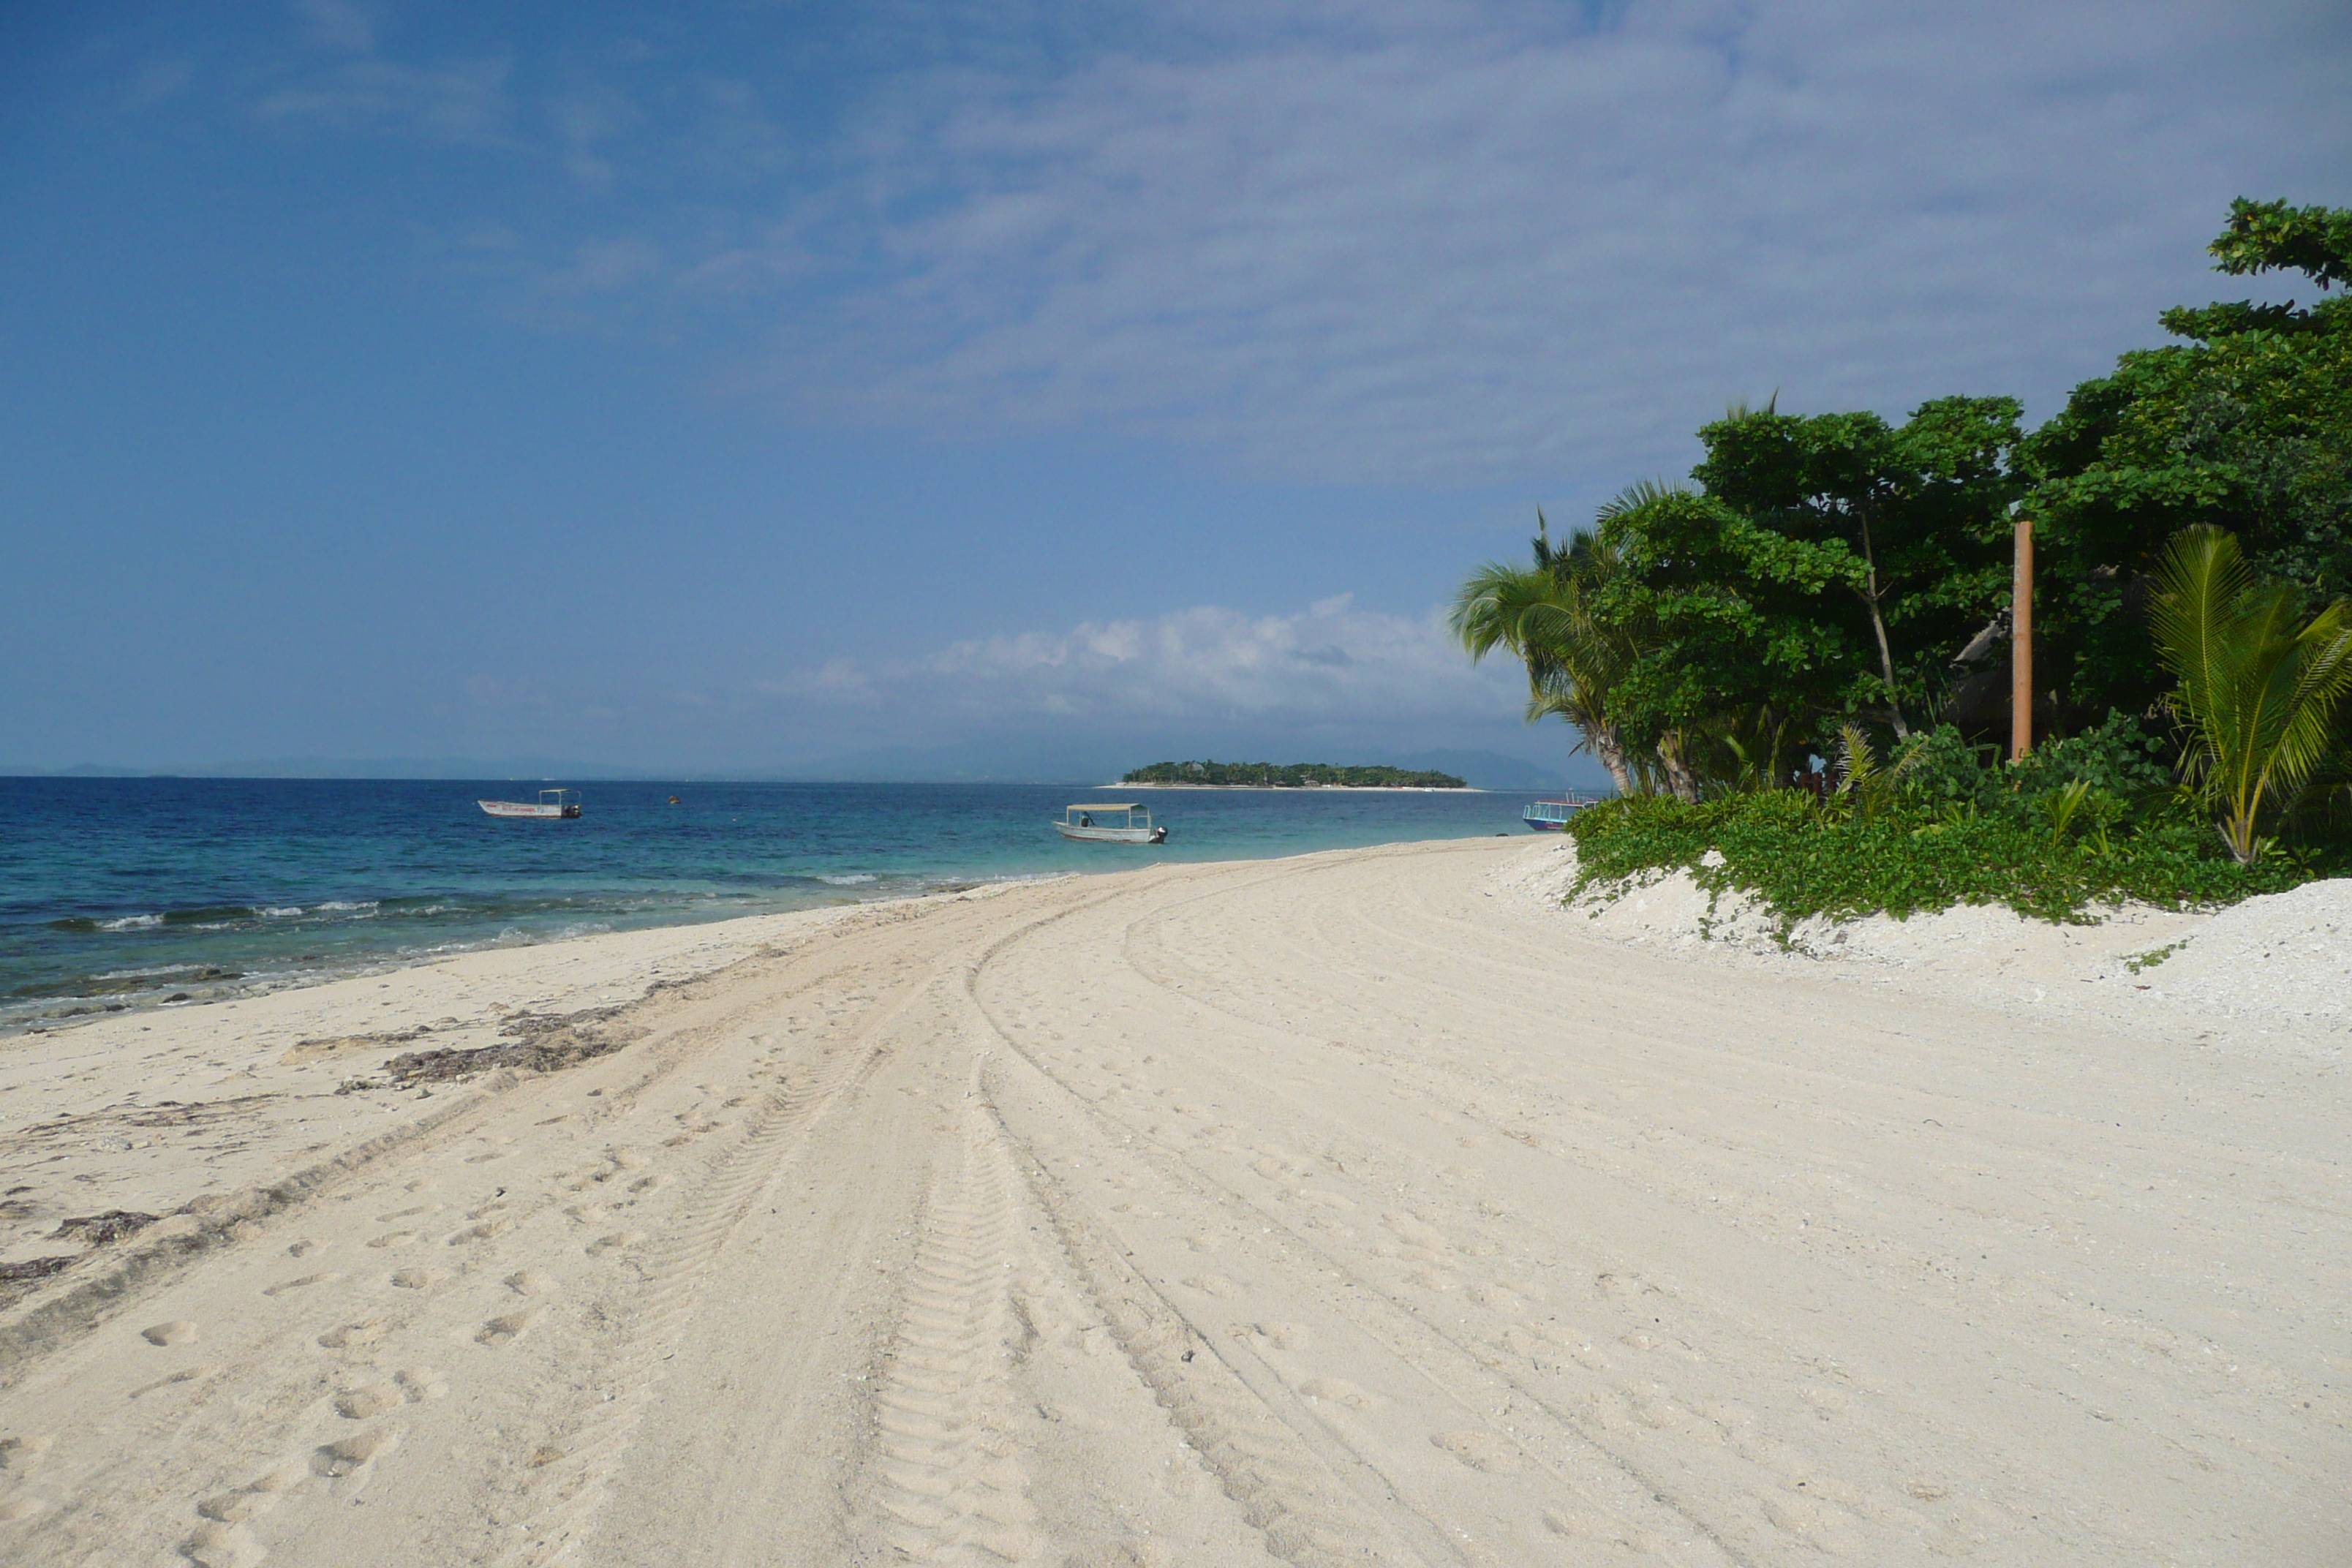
(19, 1509)
(1580, 1524)
(1339, 1391)
(216, 1545)
(22, 1453)
(235, 1507)
(530, 1282)
(419, 1278)
(393, 1238)
(508, 1327)
(177, 1332)
(285, 1477)
(419, 1383)
(1480, 1451)
(340, 1458)
(351, 1336)
(284, 1285)
(364, 1403)
(615, 1242)
(1417, 1233)
(1214, 1285)
(188, 1374)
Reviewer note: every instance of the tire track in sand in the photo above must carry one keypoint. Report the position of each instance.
(1309, 1515)
(950, 1489)
(571, 1484)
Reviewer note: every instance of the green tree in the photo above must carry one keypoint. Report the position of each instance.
(1829, 569)
(1737, 640)
(1922, 506)
(2246, 424)
(2259, 687)
(1544, 615)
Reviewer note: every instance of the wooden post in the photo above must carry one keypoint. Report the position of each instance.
(2020, 645)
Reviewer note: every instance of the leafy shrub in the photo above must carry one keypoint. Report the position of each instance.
(1803, 862)
(2117, 763)
(2116, 755)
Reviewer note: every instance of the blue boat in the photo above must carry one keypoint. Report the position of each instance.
(1551, 815)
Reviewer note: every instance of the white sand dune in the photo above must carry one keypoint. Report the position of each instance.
(1364, 1207)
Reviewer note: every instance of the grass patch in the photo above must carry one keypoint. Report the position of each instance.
(2140, 961)
(1802, 861)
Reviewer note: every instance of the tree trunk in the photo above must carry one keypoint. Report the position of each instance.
(1679, 778)
(1878, 625)
(1605, 746)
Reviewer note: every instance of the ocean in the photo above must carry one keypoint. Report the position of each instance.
(120, 893)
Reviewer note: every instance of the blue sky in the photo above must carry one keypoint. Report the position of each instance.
(750, 387)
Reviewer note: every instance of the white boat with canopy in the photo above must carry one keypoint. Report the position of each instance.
(554, 804)
(1551, 815)
(1134, 826)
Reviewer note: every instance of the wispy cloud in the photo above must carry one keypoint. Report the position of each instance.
(338, 25)
(459, 100)
(1479, 242)
(1331, 664)
(1468, 252)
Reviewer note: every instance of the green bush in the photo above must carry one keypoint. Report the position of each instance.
(2118, 760)
(1803, 861)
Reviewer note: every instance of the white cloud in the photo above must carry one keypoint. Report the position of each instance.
(1479, 248)
(1481, 242)
(1330, 665)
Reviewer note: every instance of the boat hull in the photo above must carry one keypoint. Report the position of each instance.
(1552, 815)
(526, 809)
(1112, 834)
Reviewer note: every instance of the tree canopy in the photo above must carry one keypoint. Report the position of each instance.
(1826, 570)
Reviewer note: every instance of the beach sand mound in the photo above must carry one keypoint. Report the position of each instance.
(2281, 959)
(2286, 955)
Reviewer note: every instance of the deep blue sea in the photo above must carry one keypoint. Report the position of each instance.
(127, 893)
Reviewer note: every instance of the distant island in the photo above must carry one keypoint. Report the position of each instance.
(1288, 776)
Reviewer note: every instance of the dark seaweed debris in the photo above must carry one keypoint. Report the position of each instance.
(35, 1268)
(537, 1042)
(98, 1229)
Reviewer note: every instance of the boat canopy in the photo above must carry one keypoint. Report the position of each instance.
(1126, 806)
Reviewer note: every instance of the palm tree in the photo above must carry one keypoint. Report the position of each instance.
(1544, 615)
(2258, 694)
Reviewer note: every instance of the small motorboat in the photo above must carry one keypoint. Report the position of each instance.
(1551, 815)
(552, 805)
(1078, 821)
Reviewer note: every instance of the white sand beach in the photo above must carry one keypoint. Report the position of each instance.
(1361, 1207)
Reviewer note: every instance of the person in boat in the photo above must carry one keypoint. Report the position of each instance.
(1085, 819)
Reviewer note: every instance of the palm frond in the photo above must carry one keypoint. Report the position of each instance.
(2260, 690)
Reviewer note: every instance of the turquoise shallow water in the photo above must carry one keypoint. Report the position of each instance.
(127, 893)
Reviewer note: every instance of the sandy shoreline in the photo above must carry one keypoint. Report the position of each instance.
(1364, 1207)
